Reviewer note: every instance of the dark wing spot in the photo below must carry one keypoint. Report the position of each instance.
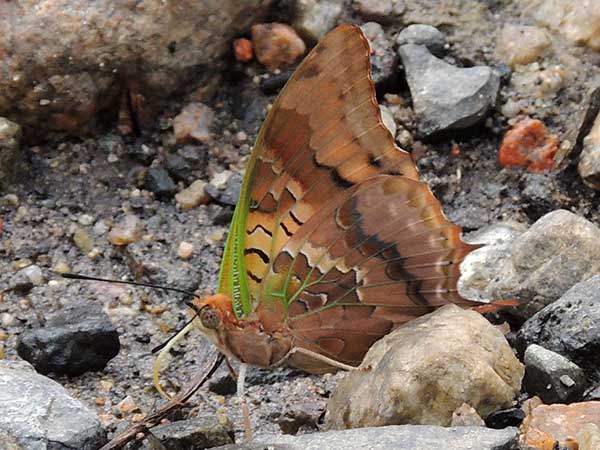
(254, 277)
(295, 219)
(253, 230)
(285, 230)
(259, 252)
(374, 161)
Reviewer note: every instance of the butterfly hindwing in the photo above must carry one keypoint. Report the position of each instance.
(380, 254)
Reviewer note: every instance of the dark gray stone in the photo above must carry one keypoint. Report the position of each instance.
(569, 326)
(404, 437)
(446, 97)
(229, 195)
(77, 339)
(552, 376)
(383, 57)
(197, 433)
(39, 414)
(555, 253)
(178, 167)
(304, 415)
(420, 34)
(157, 180)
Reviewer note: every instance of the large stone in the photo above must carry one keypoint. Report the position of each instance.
(406, 437)
(11, 161)
(67, 61)
(558, 251)
(39, 414)
(422, 372)
(446, 97)
(77, 339)
(569, 326)
(552, 376)
(483, 265)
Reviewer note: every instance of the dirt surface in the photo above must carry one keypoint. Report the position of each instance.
(100, 177)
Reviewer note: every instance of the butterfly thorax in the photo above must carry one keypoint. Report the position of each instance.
(254, 340)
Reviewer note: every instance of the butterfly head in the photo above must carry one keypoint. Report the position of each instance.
(213, 314)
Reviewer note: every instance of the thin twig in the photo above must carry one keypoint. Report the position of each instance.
(176, 402)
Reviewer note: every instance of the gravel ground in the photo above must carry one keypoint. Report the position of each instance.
(89, 184)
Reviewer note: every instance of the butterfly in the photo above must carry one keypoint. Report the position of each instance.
(335, 240)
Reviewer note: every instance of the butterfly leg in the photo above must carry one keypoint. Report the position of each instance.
(241, 391)
(330, 361)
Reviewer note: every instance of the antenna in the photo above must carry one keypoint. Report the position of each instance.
(77, 276)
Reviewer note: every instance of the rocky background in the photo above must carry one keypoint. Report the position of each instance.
(125, 128)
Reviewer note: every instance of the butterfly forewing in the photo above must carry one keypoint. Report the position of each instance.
(324, 135)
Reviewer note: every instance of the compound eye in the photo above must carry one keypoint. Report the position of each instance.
(210, 318)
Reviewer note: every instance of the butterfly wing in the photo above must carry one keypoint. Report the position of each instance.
(323, 135)
(377, 256)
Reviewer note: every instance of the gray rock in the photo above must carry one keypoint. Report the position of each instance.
(77, 339)
(157, 180)
(589, 160)
(558, 251)
(314, 18)
(406, 437)
(453, 355)
(552, 376)
(38, 414)
(197, 433)
(11, 160)
(383, 57)
(420, 34)
(569, 326)
(446, 97)
(384, 11)
(483, 265)
(64, 78)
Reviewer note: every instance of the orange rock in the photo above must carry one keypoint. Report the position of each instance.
(546, 424)
(529, 144)
(243, 49)
(276, 44)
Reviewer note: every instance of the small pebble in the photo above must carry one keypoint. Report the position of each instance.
(243, 50)
(129, 230)
(7, 319)
(100, 227)
(85, 220)
(82, 240)
(220, 179)
(276, 44)
(194, 123)
(10, 200)
(528, 144)
(193, 195)
(61, 267)
(127, 405)
(35, 275)
(186, 250)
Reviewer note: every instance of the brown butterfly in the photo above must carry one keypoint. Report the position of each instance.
(335, 240)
